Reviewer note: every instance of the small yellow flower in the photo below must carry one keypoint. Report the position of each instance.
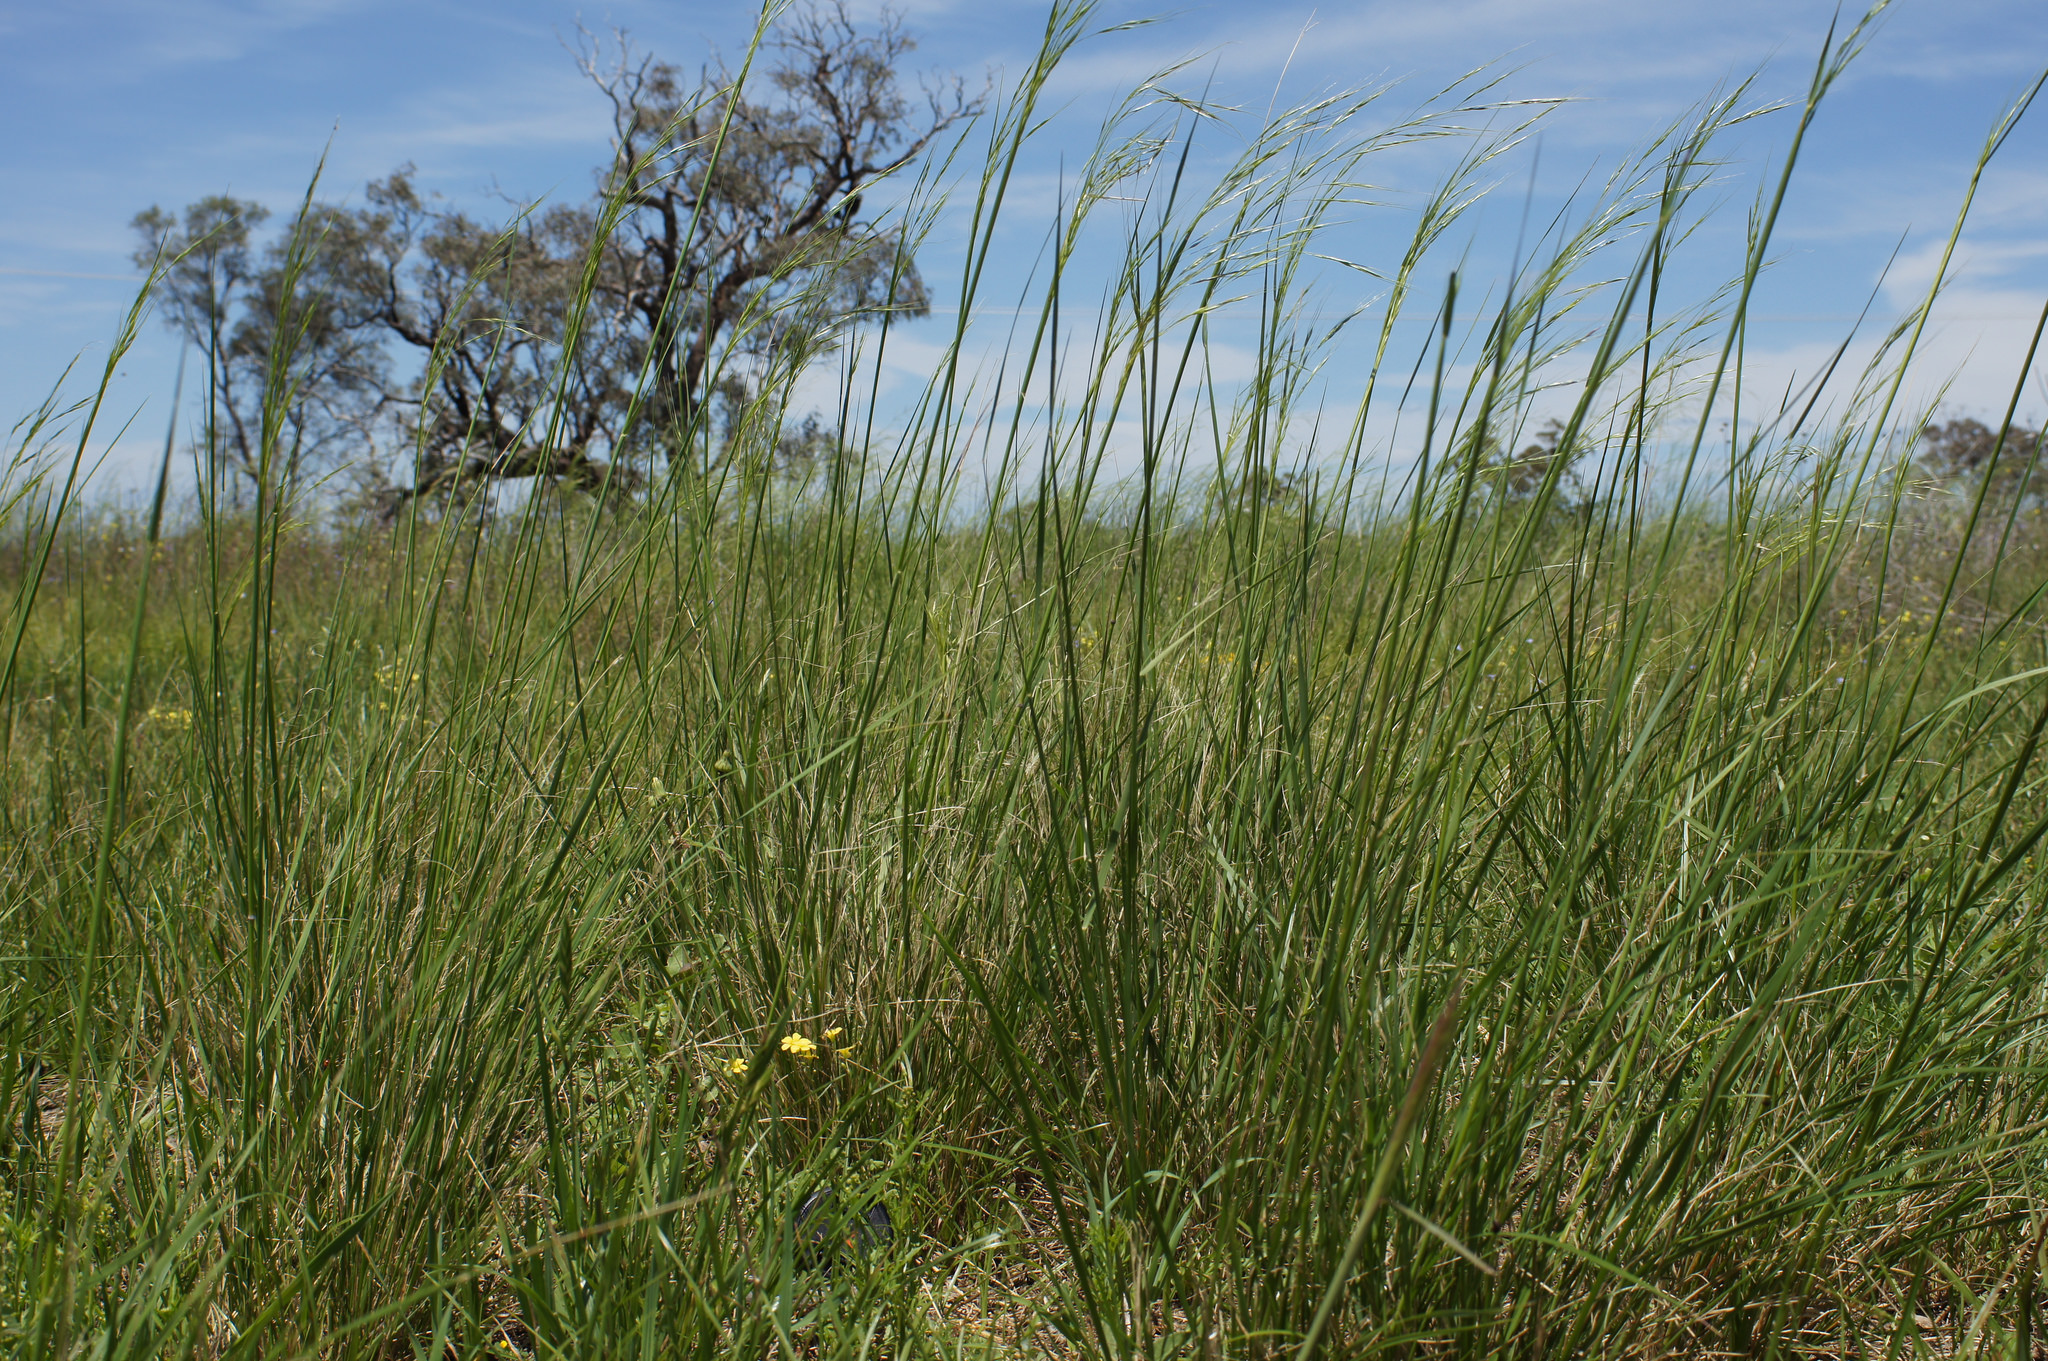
(835, 1032)
(799, 1047)
(736, 1067)
(170, 718)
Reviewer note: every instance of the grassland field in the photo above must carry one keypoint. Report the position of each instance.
(1246, 908)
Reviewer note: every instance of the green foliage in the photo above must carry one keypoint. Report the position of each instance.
(1961, 453)
(429, 354)
(1216, 922)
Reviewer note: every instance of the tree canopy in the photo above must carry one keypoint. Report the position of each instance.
(1961, 452)
(587, 344)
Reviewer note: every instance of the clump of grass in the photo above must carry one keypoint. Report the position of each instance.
(1241, 911)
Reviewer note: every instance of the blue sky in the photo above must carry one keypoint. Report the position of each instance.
(113, 105)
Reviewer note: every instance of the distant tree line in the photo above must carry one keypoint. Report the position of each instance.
(1960, 453)
(585, 344)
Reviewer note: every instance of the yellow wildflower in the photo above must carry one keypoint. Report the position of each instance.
(835, 1032)
(736, 1067)
(799, 1047)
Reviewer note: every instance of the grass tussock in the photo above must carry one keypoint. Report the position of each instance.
(1242, 909)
